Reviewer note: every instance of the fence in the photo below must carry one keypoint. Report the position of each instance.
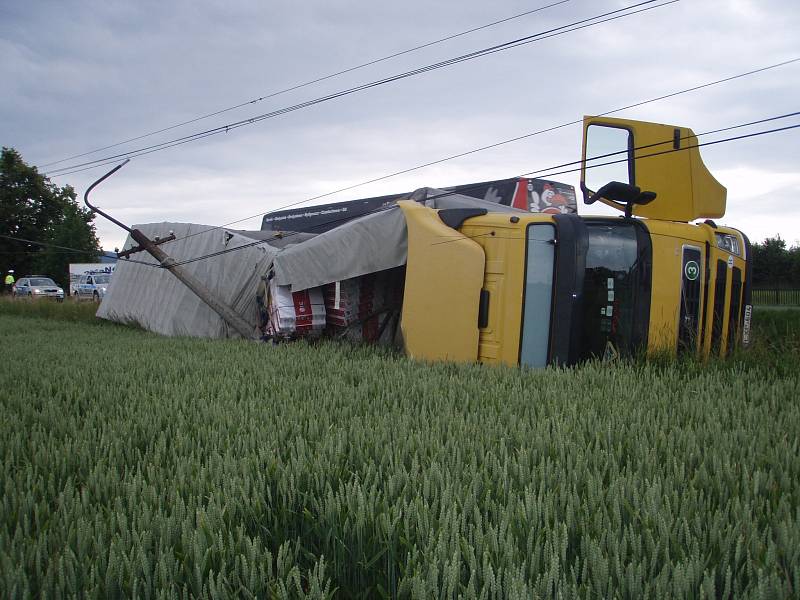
(776, 296)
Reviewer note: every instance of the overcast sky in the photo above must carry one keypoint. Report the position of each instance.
(78, 76)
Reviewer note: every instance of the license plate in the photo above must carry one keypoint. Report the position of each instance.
(748, 315)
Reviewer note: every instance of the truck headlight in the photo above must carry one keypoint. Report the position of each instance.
(729, 243)
(38, 291)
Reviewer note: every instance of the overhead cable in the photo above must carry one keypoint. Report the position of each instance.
(628, 11)
(549, 170)
(495, 145)
(662, 152)
(311, 82)
(63, 249)
(654, 154)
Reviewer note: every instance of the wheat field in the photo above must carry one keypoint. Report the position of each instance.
(133, 465)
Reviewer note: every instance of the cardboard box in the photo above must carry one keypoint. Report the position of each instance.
(295, 314)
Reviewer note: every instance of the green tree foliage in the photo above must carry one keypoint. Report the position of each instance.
(775, 265)
(794, 262)
(34, 208)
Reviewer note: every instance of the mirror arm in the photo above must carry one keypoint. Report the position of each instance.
(587, 193)
(625, 195)
(589, 198)
(629, 210)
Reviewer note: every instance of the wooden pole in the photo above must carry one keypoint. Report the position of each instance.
(230, 316)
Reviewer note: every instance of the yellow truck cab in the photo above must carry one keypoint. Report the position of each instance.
(540, 290)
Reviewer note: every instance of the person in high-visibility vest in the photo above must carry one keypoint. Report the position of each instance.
(9, 281)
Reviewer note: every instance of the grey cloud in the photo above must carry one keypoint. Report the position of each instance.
(87, 74)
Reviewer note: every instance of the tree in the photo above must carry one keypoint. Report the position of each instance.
(794, 262)
(775, 265)
(34, 208)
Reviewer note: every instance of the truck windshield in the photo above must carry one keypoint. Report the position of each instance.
(538, 293)
(616, 290)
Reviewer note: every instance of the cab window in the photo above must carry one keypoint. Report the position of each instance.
(616, 291)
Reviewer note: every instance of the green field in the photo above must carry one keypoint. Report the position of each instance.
(140, 466)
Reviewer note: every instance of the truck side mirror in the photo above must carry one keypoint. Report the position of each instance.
(608, 158)
(624, 194)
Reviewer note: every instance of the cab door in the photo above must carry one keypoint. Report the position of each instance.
(663, 159)
(444, 276)
(680, 290)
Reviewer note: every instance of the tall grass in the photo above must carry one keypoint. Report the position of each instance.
(45, 308)
(137, 466)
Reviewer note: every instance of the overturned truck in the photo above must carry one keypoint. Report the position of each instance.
(450, 276)
(347, 281)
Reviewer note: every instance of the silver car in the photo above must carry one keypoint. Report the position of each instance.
(38, 286)
(92, 287)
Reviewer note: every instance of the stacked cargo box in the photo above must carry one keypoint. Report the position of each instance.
(359, 306)
(360, 309)
(295, 314)
(351, 300)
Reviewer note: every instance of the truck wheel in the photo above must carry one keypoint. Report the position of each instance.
(96, 297)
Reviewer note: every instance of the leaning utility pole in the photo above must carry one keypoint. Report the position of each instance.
(230, 316)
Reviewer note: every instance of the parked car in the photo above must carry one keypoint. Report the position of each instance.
(92, 287)
(38, 286)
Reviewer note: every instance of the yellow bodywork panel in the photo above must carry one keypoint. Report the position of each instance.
(664, 159)
(503, 242)
(721, 269)
(444, 276)
(669, 241)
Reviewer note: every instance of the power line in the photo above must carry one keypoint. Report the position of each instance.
(312, 81)
(33, 252)
(577, 25)
(497, 144)
(19, 239)
(517, 138)
(711, 143)
(683, 148)
(557, 31)
(602, 156)
(651, 155)
(64, 249)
